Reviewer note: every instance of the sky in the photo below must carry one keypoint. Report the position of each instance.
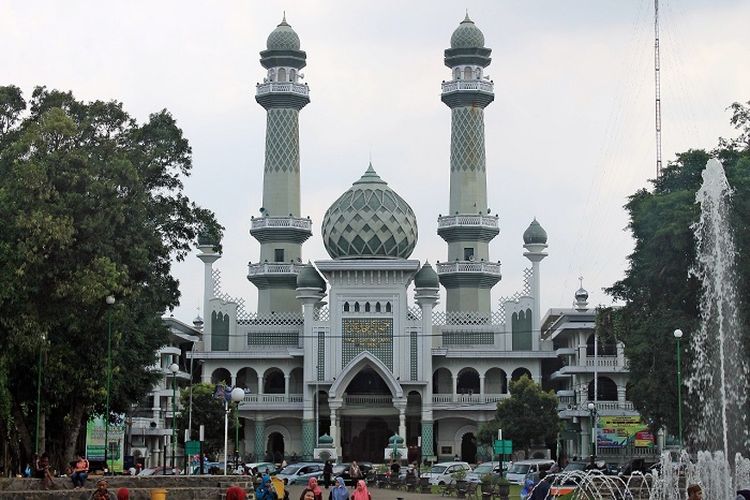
(569, 136)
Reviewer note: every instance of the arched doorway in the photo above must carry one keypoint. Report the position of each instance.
(275, 445)
(469, 448)
(368, 444)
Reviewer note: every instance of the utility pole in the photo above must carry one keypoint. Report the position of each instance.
(657, 81)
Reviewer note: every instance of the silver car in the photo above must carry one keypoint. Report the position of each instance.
(300, 473)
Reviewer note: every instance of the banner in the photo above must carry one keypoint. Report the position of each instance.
(95, 443)
(619, 432)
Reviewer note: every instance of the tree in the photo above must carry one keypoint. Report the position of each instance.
(658, 290)
(209, 412)
(527, 417)
(92, 205)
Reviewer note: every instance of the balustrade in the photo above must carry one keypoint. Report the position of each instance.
(459, 85)
(295, 88)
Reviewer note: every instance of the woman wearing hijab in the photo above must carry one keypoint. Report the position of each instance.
(312, 484)
(339, 492)
(236, 493)
(361, 493)
(264, 490)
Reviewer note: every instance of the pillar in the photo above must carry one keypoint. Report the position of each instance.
(260, 434)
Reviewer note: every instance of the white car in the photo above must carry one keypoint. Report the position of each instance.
(300, 473)
(442, 473)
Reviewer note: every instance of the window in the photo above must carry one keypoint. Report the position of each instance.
(346, 307)
(282, 75)
(278, 255)
(467, 73)
(387, 307)
(377, 307)
(356, 307)
(468, 254)
(367, 307)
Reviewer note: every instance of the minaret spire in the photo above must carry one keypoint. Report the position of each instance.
(468, 276)
(280, 229)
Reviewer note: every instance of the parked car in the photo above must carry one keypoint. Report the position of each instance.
(475, 476)
(442, 473)
(262, 468)
(520, 470)
(300, 473)
(342, 470)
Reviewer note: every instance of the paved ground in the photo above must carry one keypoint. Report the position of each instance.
(388, 494)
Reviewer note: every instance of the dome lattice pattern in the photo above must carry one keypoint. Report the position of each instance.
(370, 221)
(467, 35)
(283, 38)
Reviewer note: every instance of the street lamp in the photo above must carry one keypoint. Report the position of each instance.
(237, 395)
(174, 368)
(678, 335)
(110, 300)
(39, 393)
(593, 413)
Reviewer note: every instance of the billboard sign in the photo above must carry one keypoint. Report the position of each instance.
(619, 432)
(95, 443)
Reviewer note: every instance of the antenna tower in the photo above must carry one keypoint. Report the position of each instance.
(657, 81)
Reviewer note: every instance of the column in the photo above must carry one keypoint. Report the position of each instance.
(334, 432)
(260, 384)
(455, 387)
(260, 445)
(481, 386)
(427, 438)
(308, 439)
(286, 387)
(402, 423)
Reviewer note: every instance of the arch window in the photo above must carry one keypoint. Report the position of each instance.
(346, 307)
(520, 372)
(271, 75)
(467, 73)
(457, 73)
(605, 346)
(387, 307)
(606, 389)
(292, 75)
(478, 73)
(282, 74)
(377, 307)
(356, 307)
(468, 381)
(367, 307)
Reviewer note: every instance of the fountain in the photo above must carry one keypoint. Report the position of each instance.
(718, 380)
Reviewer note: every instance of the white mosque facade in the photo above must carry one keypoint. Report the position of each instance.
(345, 353)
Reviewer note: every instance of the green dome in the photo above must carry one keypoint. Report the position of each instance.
(395, 439)
(535, 234)
(467, 35)
(369, 221)
(426, 277)
(309, 277)
(283, 38)
(325, 439)
(206, 238)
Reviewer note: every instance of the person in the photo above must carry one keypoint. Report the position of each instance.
(277, 485)
(123, 494)
(102, 491)
(327, 472)
(541, 490)
(528, 487)
(339, 491)
(264, 490)
(354, 473)
(312, 484)
(695, 492)
(42, 471)
(80, 472)
(283, 464)
(360, 492)
(395, 468)
(307, 494)
(235, 492)
(28, 471)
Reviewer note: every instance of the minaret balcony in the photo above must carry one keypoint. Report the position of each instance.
(468, 273)
(463, 227)
(273, 273)
(286, 87)
(278, 229)
(457, 93)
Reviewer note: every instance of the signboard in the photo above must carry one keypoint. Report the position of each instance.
(192, 447)
(619, 432)
(503, 446)
(95, 443)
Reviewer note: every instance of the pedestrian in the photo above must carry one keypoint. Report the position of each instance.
(235, 492)
(355, 473)
(264, 491)
(307, 494)
(339, 492)
(102, 491)
(695, 492)
(361, 492)
(541, 490)
(395, 469)
(80, 472)
(42, 471)
(123, 494)
(528, 487)
(312, 484)
(327, 471)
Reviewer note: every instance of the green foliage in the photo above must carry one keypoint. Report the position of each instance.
(658, 290)
(209, 412)
(528, 416)
(92, 205)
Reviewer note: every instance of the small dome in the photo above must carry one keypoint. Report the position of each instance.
(325, 439)
(206, 238)
(395, 439)
(309, 277)
(369, 221)
(283, 38)
(582, 295)
(467, 35)
(534, 234)
(426, 277)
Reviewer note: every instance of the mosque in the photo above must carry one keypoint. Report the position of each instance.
(351, 357)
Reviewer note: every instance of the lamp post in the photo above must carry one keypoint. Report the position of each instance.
(678, 335)
(593, 413)
(110, 300)
(174, 368)
(236, 396)
(39, 394)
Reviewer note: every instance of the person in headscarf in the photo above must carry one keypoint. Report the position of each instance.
(102, 491)
(264, 491)
(235, 492)
(361, 493)
(312, 484)
(123, 494)
(339, 492)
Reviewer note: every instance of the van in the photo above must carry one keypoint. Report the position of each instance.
(519, 470)
(442, 473)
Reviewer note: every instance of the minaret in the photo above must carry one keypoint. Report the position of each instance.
(535, 243)
(468, 275)
(280, 229)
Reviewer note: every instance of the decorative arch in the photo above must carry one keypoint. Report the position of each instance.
(247, 378)
(605, 347)
(362, 360)
(442, 381)
(273, 381)
(495, 381)
(221, 375)
(270, 429)
(606, 388)
(520, 372)
(461, 432)
(468, 381)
